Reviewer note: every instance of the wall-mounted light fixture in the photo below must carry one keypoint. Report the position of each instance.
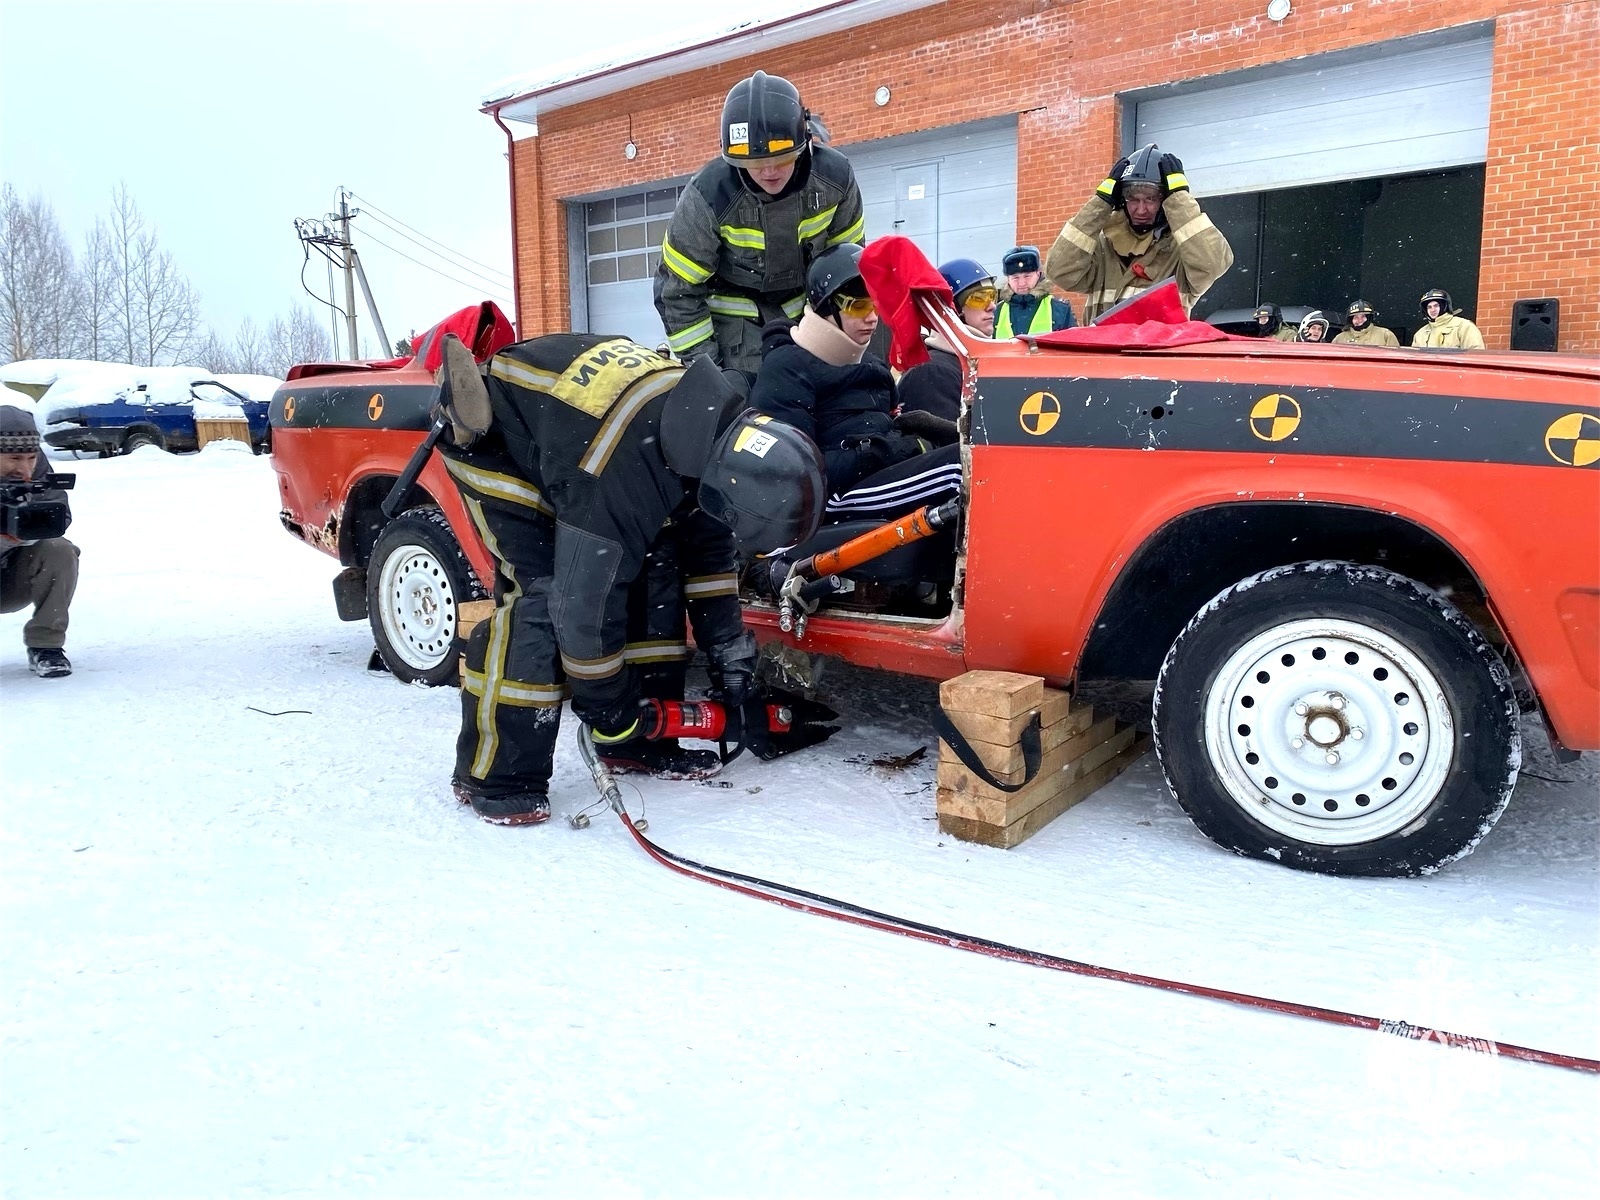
(630, 151)
(881, 97)
(1277, 10)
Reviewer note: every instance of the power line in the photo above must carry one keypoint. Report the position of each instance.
(456, 253)
(426, 250)
(464, 283)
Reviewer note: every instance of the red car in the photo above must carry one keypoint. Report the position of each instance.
(1330, 578)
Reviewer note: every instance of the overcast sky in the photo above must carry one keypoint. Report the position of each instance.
(227, 119)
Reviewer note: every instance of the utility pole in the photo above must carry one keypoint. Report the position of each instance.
(349, 273)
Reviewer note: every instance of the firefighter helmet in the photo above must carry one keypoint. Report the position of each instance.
(834, 270)
(1020, 260)
(1274, 316)
(1360, 308)
(762, 121)
(765, 482)
(1439, 294)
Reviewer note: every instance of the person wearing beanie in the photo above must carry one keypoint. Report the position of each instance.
(42, 573)
(815, 376)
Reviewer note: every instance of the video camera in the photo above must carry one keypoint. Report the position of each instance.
(26, 517)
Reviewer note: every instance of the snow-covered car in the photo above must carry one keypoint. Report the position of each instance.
(1329, 578)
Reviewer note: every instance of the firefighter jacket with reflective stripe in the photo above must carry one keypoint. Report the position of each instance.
(1034, 313)
(1369, 335)
(575, 437)
(1100, 255)
(735, 258)
(1449, 332)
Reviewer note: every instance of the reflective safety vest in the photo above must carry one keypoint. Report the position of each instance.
(1041, 322)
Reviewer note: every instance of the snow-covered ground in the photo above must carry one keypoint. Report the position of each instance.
(255, 955)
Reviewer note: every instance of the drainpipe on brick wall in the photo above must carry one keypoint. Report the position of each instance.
(516, 251)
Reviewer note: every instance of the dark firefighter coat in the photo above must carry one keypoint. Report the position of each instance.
(575, 449)
(735, 258)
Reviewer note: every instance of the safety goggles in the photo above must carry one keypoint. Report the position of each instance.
(856, 306)
(980, 297)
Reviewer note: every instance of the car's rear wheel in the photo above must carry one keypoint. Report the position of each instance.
(135, 438)
(417, 578)
(1338, 718)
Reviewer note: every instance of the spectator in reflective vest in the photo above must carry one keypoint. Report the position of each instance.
(1026, 305)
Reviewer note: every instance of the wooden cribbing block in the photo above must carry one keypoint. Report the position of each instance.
(963, 794)
(1005, 762)
(1006, 836)
(1004, 731)
(999, 694)
(469, 613)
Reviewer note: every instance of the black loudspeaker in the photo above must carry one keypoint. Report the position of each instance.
(1534, 324)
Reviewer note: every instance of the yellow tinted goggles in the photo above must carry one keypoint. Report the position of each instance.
(856, 306)
(979, 297)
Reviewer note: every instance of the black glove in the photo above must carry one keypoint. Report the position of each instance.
(617, 723)
(1111, 186)
(732, 667)
(939, 430)
(1172, 178)
(903, 446)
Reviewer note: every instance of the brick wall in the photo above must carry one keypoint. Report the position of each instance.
(1059, 67)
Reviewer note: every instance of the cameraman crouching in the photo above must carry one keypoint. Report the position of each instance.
(44, 572)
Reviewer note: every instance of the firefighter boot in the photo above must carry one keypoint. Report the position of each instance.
(462, 394)
(663, 758)
(512, 808)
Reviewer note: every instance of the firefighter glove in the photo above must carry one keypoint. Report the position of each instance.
(617, 723)
(1111, 185)
(1172, 177)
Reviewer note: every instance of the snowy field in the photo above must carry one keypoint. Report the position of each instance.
(253, 955)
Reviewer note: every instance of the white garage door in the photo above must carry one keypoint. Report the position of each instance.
(1383, 110)
(952, 190)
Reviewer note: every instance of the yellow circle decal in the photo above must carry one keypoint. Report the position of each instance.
(1574, 439)
(288, 408)
(1275, 417)
(375, 406)
(1040, 412)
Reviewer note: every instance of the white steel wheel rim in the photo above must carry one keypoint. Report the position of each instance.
(418, 606)
(1329, 731)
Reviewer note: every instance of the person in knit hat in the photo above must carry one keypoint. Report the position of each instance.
(42, 573)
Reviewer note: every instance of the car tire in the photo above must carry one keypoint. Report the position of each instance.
(1338, 718)
(135, 438)
(416, 578)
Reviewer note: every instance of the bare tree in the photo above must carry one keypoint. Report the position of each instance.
(300, 339)
(155, 311)
(212, 353)
(38, 282)
(250, 350)
(96, 284)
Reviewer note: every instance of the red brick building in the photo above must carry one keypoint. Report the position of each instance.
(1372, 148)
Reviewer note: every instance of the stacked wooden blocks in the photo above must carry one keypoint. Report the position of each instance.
(1079, 753)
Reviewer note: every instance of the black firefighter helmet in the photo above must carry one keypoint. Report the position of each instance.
(1439, 294)
(765, 482)
(762, 121)
(1274, 316)
(1144, 167)
(1360, 308)
(835, 269)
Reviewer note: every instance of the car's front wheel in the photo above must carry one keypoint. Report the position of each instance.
(135, 438)
(417, 578)
(1338, 718)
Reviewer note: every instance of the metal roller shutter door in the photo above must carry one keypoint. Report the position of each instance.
(1382, 110)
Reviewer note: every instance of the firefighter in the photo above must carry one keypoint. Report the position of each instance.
(578, 460)
(1141, 226)
(1269, 324)
(935, 386)
(1026, 305)
(815, 376)
(749, 224)
(1313, 327)
(1445, 327)
(1362, 328)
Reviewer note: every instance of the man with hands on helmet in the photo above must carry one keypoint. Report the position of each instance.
(613, 488)
(814, 377)
(749, 224)
(1141, 226)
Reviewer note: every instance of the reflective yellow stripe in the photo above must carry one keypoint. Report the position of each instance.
(699, 332)
(811, 226)
(515, 372)
(855, 233)
(746, 239)
(494, 659)
(656, 651)
(622, 413)
(681, 265)
(703, 587)
(732, 306)
(1177, 180)
(515, 692)
(500, 487)
(611, 739)
(793, 307)
(1078, 238)
(1197, 224)
(592, 668)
